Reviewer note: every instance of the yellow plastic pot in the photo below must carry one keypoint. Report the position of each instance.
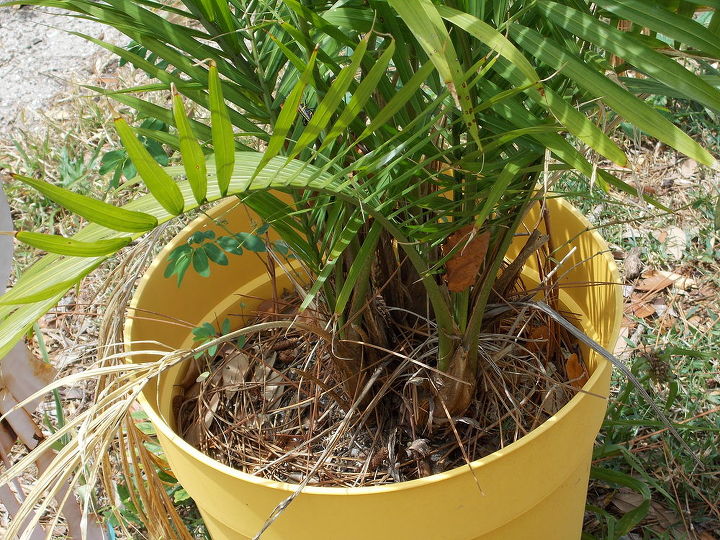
(533, 488)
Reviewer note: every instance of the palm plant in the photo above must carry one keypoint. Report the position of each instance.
(360, 130)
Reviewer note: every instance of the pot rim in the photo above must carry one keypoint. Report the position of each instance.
(585, 393)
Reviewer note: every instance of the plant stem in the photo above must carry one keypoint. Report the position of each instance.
(472, 333)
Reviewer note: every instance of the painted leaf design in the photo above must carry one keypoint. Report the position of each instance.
(463, 267)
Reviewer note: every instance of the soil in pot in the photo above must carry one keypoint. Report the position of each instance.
(277, 403)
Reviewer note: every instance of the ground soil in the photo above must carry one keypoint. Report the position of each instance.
(40, 61)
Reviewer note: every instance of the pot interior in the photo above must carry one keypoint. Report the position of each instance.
(162, 312)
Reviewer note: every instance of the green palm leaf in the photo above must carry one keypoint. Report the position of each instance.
(653, 63)
(222, 132)
(652, 15)
(424, 21)
(69, 246)
(331, 101)
(159, 182)
(288, 115)
(363, 92)
(192, 154)
(624, 103)
(100, 212)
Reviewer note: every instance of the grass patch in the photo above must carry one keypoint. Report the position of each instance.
(644, 485)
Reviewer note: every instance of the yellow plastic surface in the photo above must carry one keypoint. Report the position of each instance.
(534, 488)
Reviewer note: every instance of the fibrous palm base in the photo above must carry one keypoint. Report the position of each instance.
(279, 406)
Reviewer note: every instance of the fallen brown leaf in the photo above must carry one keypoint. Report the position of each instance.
(688, 168)
(538, 339)
(676, 242)
(552, 402)
(211, 409)
(626, 500)
(653, 281)
(679, 281)
(419, 447)
(627, 323)
(707, 291)
(660, 236)
(641, 305)
(575, 371)
(645, 310)
(464, 265)
(234, 373)
(667, 323)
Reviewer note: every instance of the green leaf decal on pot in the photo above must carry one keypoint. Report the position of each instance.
(215, 254)
(200, 262)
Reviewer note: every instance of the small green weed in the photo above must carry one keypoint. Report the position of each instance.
(127, 515)
(118, 161)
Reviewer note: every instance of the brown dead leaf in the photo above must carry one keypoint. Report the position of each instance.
(419, 447)
(626, 322)
(552, 402)
(271, 379)
(660, 236)
(641, 305)
(538, 339)
(645, 310)
(212, 408)
(688, 168)
(268, 307)
(626, 500)
(234, 372)
(676, 242)
(657, 280)
(464, 265)
(667, 323)
(653, 281)
(575, 371)
(553, 399)
(707, 291)
(679, 281)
